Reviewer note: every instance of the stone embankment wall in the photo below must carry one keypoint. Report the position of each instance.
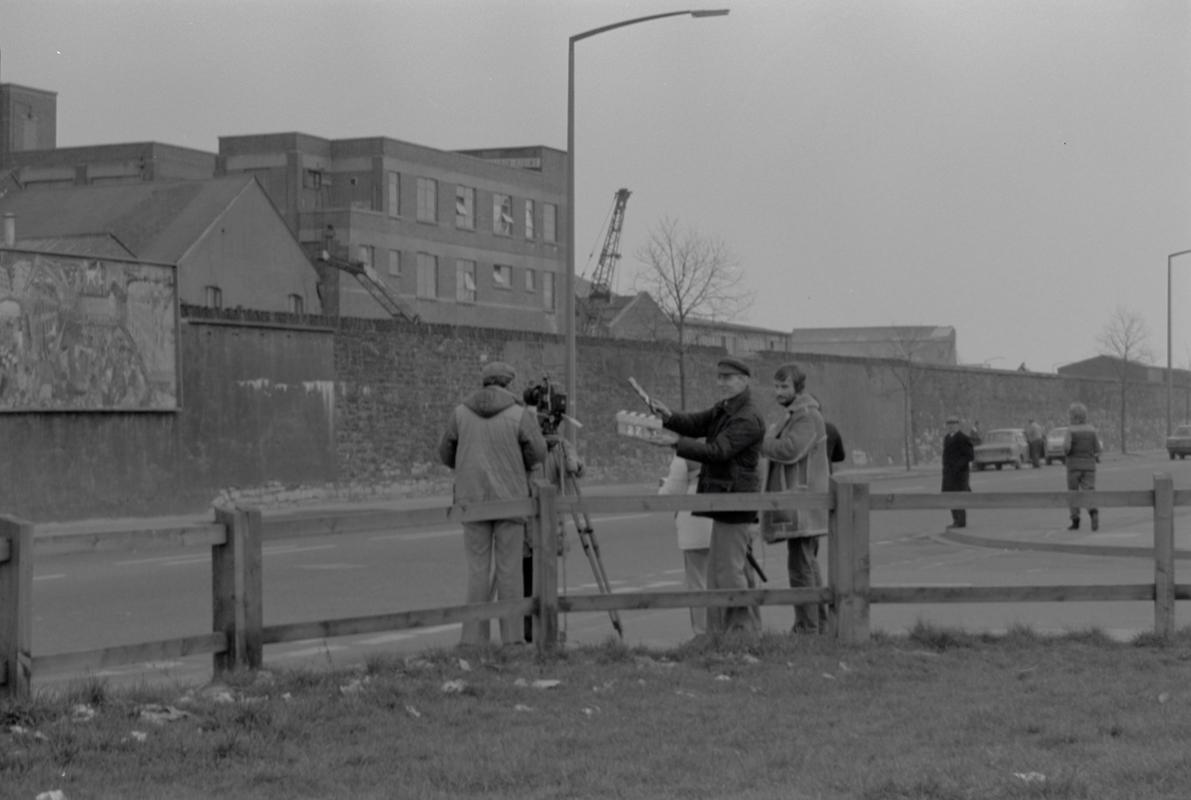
(278, 407)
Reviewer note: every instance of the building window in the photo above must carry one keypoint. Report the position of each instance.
(529, 219)
(530, 281)
(312, 179)
(427, 200)
(427, 275)
(502, 276)
(502, 214)
(465, 280)
(549, 222)
(465, 208)
(548, 291)
(295, 304)
(395, 263)
(393, 193)
(212, 297)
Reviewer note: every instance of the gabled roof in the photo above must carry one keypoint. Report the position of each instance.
(155, 220)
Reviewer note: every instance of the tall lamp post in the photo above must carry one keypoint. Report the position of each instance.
(569, 278)
(1169, 365)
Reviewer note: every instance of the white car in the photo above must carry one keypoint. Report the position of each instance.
(1000, 447)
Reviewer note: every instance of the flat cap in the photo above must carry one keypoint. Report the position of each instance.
(731, 365)
(497, 369)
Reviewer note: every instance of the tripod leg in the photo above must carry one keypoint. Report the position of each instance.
(591, 548)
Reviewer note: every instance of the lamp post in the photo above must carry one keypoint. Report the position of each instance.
(569, 277)
(1169, 365)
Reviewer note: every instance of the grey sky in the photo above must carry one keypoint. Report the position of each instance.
(1014, 168)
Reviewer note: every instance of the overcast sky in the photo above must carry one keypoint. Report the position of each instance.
(1017, 169)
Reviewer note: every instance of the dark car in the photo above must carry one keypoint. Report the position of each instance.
(1179, 442)
(1054, 446)
(1000, 447)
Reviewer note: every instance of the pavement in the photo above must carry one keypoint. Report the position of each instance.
(1128, 538)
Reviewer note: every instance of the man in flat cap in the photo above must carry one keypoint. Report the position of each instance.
(492, 442)
(957, 464)
(726, 440)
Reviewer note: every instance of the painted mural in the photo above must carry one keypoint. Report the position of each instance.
(86, 334)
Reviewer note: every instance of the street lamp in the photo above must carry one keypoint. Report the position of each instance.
(569, 278)
(1169, 366)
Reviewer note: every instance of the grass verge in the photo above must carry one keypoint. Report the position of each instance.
(936, 714)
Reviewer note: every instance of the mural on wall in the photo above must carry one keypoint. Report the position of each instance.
(86, 334)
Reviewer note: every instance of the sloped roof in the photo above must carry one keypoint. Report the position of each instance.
(154, 221)
(102, 245)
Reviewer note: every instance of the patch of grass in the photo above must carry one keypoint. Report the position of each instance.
(935, 714)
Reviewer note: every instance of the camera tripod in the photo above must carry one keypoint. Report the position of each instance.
(560, 477)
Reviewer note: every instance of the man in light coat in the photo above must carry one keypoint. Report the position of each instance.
(492, 442)
(694, 533)
(796, 452)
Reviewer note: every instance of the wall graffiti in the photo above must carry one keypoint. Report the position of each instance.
(86, 334)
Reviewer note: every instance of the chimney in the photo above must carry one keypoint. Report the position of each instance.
(10, 229)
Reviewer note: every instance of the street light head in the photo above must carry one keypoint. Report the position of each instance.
(711, 12)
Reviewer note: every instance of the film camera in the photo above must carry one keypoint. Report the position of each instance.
(550, 402)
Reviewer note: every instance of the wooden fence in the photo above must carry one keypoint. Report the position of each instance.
(238, 633)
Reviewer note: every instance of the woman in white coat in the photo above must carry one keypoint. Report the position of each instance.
(694, 533)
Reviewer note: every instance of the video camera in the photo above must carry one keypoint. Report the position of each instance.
(550, 402)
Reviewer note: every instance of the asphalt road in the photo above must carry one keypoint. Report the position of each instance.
(103, 599)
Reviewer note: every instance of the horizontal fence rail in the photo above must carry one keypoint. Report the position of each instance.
(235, 537)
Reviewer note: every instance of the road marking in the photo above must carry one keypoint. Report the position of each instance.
(401, 636)
(285, 550)
(311, 651)
(330, 566)
(415, 536)
(923, 584)
(54, 577)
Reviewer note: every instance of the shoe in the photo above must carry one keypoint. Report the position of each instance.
(1095, 522)
(1074, 526)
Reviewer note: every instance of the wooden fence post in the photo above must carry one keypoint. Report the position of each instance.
(849, 562)
(236, 589)
(1164, 583)
(545, 568)
(16, 607)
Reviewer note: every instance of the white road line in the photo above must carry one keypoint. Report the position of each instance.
(401, 636)
(330, 566)
(285, 550)
(311, 651)
(53, 577)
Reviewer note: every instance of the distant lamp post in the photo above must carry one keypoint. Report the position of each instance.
(569, 277)
(1169, 360)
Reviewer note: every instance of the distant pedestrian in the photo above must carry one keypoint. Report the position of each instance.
(1081, 446)
(957, 467)
(1036, 440)
(492, 442)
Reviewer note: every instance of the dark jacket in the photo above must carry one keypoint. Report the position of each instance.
(1081, 446)
(957, 461)
(835, 445)
(731, 433)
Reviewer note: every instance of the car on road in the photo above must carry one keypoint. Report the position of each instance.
(1054, 446)
(1179, 442)
(1000, 447)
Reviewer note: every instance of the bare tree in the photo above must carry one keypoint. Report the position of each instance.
(909, 346)
(1125, 337)
(691, 276)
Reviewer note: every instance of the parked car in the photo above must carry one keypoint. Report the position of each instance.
(1054, 446)
(1179, 442)
(1000, 447)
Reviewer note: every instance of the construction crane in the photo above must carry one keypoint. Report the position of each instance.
(600, 293)
(367, 278)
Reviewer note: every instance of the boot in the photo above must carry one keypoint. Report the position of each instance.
(1095, 515)
(1074, 526)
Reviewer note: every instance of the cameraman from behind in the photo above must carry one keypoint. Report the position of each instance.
(492, 442)
(560, 467)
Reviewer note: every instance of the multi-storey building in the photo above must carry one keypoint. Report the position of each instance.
(472, 237)
(469, 237)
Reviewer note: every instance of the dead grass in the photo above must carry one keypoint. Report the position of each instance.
(936, 714)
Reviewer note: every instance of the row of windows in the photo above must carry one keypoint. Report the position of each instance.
(504, 216)
(213, 298)
(466, 276)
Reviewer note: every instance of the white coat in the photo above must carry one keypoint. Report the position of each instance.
(694, 533)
